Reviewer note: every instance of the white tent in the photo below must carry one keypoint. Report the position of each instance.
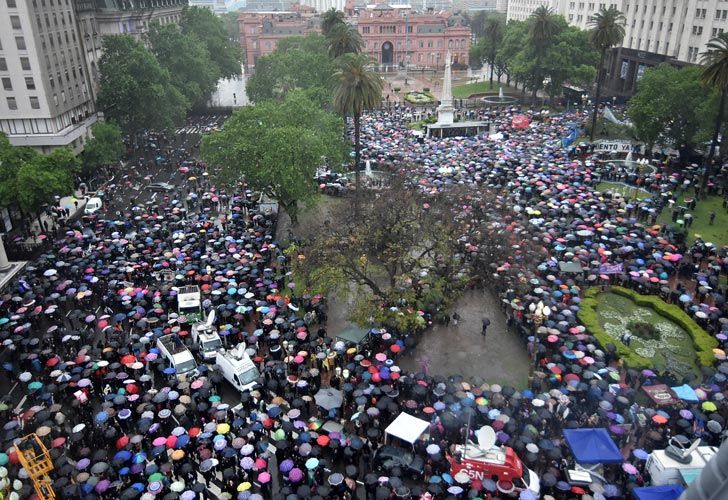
(407, 428)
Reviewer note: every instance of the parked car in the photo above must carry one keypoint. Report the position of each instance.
(160, 186)
(388, 457)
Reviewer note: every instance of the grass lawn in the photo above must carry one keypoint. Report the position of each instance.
(464, 91)
(628, 192)
(716, 233)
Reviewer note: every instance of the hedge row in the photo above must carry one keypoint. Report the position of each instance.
(703, 343)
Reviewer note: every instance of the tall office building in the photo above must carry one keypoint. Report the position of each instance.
(45, 97)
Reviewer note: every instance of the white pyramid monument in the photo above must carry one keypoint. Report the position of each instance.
(446, 112)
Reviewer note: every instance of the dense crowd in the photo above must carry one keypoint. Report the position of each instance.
(79, 328)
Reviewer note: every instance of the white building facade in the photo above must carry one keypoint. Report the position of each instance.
(45, 95)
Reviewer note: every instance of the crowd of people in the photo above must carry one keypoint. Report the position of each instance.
(79, 329)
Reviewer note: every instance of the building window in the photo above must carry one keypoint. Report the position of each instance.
(11, 4)
(3, 64)
(7, 84)
(29, 83)
(365, 29)
(25, 63)
(697, 30)
(34, 102)
(12, 103)
(15, 22)
(55, 99)
(20, 42)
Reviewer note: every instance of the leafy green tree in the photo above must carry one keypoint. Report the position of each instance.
(134, 90)
(715, 75)
(104, 148)
(331, 19)
(607, 30)
(477, 23)
(297, 63)
(666, 107)
(187, 60)
(511, 47)
(486, 49)
(344, 39)
(359, 89)
(544, 25)
(12, 158)
(277, 147)
(571, 58)
(232, 27)
(211, 30)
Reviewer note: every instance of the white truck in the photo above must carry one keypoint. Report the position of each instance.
(177, 355)
(237, 368)
(206, 337)
(677, 464)
(189, 304)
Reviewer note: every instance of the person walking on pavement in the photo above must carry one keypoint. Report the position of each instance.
(486, 324)
(455, 318)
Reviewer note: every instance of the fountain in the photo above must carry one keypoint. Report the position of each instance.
(368, 168)
(501, 100)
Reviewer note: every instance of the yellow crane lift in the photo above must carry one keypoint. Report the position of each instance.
(34, 457)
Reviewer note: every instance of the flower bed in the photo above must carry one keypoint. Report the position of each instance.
(680, 343)
(415, 97)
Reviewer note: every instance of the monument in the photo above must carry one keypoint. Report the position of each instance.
(446, 125)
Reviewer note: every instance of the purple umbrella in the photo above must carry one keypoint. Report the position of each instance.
(640, 454)
(82, 464)
(286, 465)
(295, 475)
(247, 463)
(686, 414)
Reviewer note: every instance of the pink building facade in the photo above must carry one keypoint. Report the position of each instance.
(396, 36)
(392, 36)
(261, 31)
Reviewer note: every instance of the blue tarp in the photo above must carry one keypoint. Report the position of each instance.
(664, 492)
(686, 393)
(593, 446)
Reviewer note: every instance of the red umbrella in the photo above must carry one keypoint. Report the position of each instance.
(132, 389)
(121, 442)
(58, 442)
(128, 359)
(53, 361)
(395, 348)
(171, 441)
(322, 440)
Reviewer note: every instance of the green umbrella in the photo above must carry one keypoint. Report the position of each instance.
(157, 476)
(35, 385)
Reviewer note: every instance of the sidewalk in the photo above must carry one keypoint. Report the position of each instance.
(75, 203)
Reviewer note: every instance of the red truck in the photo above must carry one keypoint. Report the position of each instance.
(484, 460)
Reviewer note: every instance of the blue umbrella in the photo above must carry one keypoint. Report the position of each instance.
(685, 298)
(169, 371)
(102, 417)
(122, 456)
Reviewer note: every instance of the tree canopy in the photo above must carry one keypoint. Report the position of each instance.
(297, 63)
(104, 148)
(134, 90)
(277, 147)
(211, 30)
(31, 180)
(666, 108)
(187, 60)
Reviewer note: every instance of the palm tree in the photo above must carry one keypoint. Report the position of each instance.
(541, 32)
(329, 19)
(715, 74)
(607, 30)
(494, 31)
(344, 39)
(359, 88)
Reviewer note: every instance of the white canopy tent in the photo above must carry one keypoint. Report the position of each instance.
(407, 428)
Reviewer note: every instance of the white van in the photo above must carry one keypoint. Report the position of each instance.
(679, 465)
(93, 205)
(237, 368)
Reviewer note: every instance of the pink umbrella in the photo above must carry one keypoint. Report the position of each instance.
(264, 477)
(629, 469)
(380, 356)
(295, 475)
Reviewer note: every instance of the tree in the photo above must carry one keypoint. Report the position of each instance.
(134, 90)
(607, 30)
(359, 88)
(297, 63)
(277, 147)
(344, 39)
(211, 30)
(104, 148)
(187, 60)
(511, 46)
(232, 27)
(666, 106)
(399, 256)
(487, 47)
(541, 33)
(478, 23)
(715, 75)
(330, 19)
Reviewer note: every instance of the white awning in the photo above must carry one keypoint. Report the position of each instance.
(407, 428)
